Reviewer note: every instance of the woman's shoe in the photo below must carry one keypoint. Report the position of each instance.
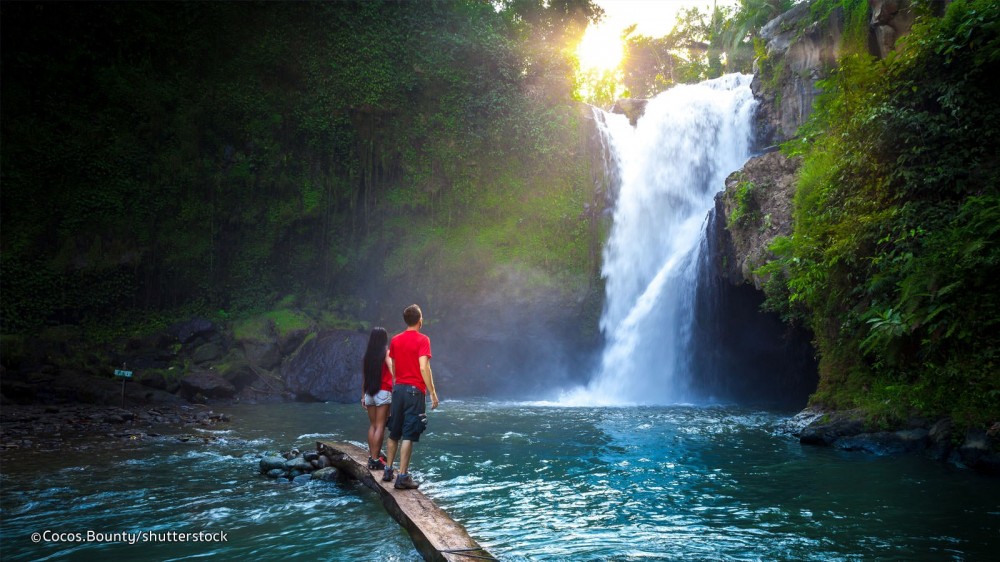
(375, 464)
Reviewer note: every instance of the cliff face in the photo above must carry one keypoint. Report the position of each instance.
(755, 207)
(800, 51)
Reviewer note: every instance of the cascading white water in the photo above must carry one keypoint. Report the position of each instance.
(670, 166)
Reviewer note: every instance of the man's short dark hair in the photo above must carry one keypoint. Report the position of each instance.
(412, 315)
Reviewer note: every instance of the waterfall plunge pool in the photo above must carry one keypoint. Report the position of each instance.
(528, 481)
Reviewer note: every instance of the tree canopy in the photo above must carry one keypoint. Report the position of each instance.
(215, 156)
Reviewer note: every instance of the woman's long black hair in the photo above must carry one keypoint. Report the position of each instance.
(378, 344)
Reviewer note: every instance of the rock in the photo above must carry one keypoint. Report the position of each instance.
(158, 380)
(289, 341)
(754, 209)
(939, 440)
(264, 355)
(187, 331)
(275, 473)
(240, 376)
(891, 19)
(205, 353)
(301, 480)
(800, 421)
(327, 474)
(271, 463)
(822, 432)
(310, 455)
(980, 452)
(327, 367)
(800, 52)
(298, 463)
(885, 442)
(207, 384)
(631, 108)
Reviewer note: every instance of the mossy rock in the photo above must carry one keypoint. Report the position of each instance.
(271, 326)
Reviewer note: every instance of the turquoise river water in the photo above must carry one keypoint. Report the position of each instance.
(528, 481)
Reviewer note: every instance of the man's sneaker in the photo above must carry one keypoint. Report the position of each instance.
(405, 482)
(387, 475)
(375, 464)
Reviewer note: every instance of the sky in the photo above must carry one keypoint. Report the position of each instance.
(601, 48)
(655, 18)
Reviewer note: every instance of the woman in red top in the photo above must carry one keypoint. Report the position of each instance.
(377, 392)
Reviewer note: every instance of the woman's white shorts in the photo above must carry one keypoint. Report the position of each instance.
(381, 398)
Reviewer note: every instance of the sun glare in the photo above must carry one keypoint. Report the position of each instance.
(600, 49)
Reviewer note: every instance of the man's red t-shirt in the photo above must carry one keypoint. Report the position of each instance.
(406, 349)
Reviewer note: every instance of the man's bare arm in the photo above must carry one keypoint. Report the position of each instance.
(428, 375)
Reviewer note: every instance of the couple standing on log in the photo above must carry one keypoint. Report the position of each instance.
(397, 377)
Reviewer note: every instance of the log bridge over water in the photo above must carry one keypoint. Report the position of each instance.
(435, 534)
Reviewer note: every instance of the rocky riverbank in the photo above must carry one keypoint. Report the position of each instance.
(976, 448)
(192, 362)
(85, 426)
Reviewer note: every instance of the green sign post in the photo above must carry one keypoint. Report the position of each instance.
(124, 375)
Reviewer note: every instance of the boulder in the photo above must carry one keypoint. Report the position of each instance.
(826, 432)
(885, 442)
(980, 452)
(206, 384)
(265, 355)
(327, 367)
(270, 463)
(299, 464)
(891, 19)
(240, 376)
(187, 331)
(158, 380)
(208, 352)
(327, 474)
(939, 440)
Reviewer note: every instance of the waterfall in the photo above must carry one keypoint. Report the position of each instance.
(669, 168)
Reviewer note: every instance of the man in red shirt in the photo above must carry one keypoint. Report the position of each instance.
(411, 357)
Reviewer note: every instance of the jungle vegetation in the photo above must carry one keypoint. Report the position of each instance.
(166, 159)
(894, 261)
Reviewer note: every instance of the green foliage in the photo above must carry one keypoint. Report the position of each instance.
(895, 255)
(702, 45)
(271, 325)
(166, 159)
(746, 211)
